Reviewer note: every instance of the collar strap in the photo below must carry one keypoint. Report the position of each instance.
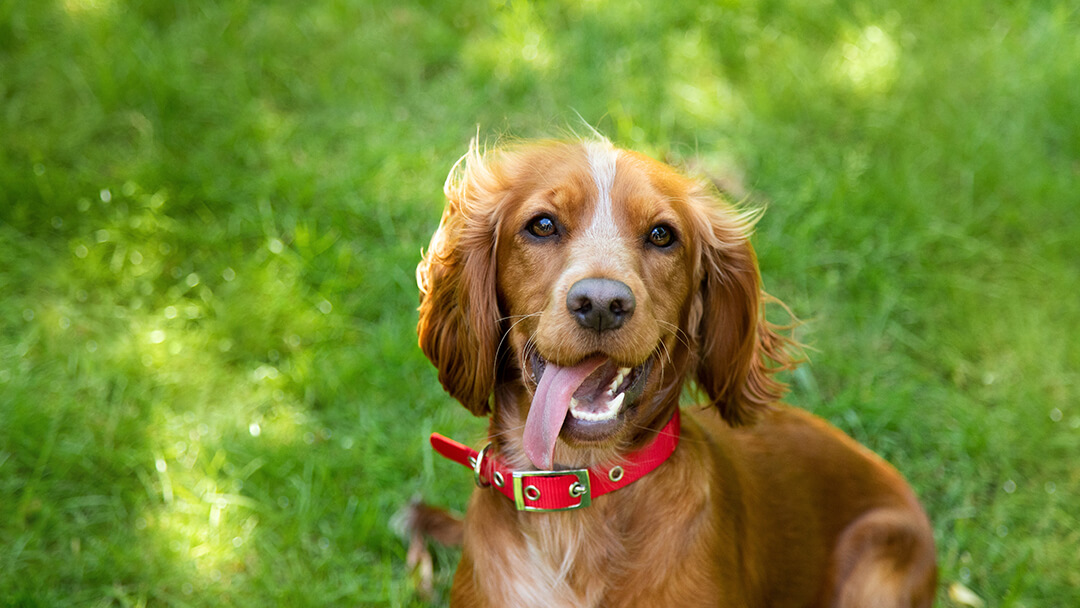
(561, 490)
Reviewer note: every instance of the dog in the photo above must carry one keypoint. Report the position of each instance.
(572, 292)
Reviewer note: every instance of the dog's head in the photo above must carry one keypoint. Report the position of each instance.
(583, 285)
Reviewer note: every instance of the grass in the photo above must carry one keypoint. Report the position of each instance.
(210, 215)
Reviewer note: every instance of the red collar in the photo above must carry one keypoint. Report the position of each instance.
(561, 490)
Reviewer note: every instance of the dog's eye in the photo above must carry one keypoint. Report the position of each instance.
(661, 236)
(542, 226)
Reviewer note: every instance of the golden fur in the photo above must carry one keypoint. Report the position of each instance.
(761, 504)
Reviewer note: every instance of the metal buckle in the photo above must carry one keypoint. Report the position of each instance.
(477, 464)
(579, 489)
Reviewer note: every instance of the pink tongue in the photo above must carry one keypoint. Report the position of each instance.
(549, 407)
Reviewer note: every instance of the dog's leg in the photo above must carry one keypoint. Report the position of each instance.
(421, 523)
(434, 523)
(884, 559)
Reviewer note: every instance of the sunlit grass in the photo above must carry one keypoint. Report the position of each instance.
(210, 392)
(77, 8)
(866, 60)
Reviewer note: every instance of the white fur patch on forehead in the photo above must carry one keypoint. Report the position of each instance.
(602, 156)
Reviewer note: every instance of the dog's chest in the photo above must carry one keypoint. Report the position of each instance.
(560, 563)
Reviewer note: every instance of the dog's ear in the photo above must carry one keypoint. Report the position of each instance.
(459, 313)
(738, 350)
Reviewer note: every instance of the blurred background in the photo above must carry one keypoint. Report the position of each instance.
(211, 213)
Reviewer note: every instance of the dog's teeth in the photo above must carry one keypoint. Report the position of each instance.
(616, 403)
(619, 377)
(590, 416)
(611, 409)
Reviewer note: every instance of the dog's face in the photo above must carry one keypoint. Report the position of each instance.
(594, 274)
(587, 283)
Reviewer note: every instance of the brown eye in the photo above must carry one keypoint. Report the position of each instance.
(542, 226)
(661, 236)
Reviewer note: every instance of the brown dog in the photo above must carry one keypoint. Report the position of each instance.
(571, 291)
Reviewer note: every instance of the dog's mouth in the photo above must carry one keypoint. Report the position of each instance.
(585, 400)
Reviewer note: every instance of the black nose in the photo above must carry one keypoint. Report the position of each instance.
(600, 304)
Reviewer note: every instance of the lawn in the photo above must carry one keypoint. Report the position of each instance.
(211, 213)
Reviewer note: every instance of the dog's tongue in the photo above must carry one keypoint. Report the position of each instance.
(549, 407)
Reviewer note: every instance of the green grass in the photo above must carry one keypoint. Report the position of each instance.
(210, 216)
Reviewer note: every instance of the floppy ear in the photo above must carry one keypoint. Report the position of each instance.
(738, 350)
(459, 313)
